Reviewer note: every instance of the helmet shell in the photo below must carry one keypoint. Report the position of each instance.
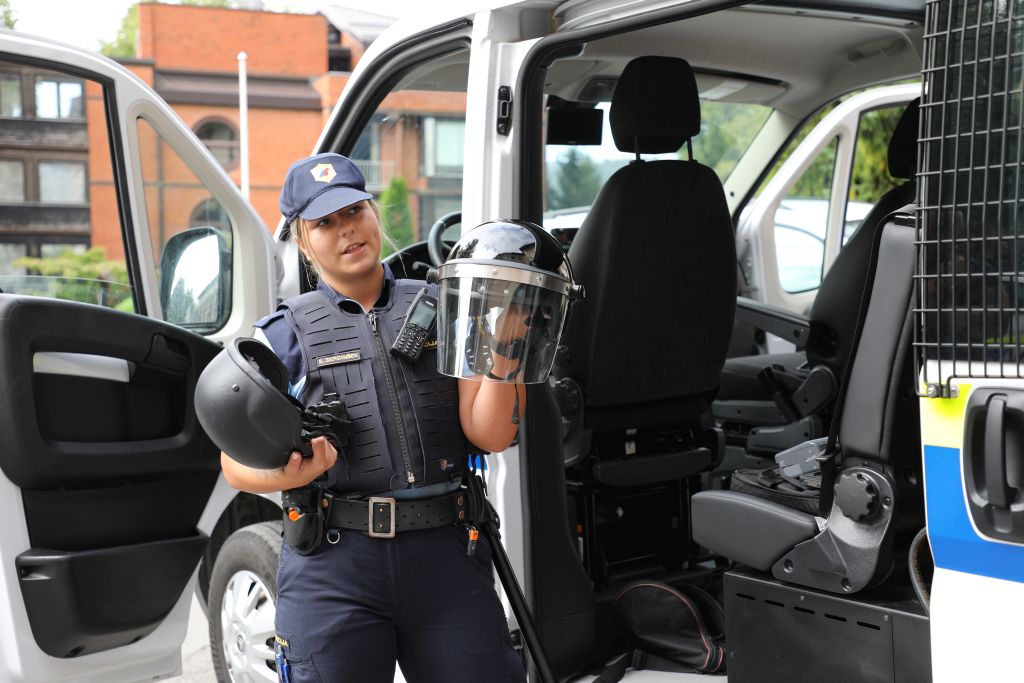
(513, 241)
(242, 403)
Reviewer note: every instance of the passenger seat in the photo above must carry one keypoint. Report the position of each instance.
(805, 382)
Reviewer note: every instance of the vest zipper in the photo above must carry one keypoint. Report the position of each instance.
(389, 379)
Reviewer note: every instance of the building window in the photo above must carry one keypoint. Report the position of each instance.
(222, 141)
(210, 212)
(443, 146)
(59, 99)
(62, 182)
(339, 59)
(10, 96)
(12, 181)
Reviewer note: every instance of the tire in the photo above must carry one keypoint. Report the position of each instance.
(242, 630)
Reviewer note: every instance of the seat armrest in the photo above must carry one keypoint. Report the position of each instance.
(780, 322)
(749, 530)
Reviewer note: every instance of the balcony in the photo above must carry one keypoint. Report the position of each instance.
(377, 173)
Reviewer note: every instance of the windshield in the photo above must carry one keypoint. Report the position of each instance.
(575, 173)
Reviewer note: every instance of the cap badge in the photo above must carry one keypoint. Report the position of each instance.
(323, 173)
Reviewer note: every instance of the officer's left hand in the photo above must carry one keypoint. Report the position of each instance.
(300, 471)
(512, 325)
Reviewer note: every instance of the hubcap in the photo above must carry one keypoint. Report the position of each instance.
(247, 629)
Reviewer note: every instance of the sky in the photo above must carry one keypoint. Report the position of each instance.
(85, 23)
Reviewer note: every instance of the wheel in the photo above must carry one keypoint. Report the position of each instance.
(243, 598)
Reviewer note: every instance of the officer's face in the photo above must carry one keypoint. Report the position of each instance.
(344, 245)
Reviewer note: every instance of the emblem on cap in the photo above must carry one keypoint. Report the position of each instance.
(323, 173)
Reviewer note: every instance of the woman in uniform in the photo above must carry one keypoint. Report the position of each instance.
(395, 578)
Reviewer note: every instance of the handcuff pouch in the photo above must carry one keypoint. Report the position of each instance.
(304, 518)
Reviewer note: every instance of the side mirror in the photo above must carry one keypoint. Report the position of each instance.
(195, 280)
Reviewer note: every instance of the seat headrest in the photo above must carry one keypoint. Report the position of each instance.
(655, 106)
(903, 144)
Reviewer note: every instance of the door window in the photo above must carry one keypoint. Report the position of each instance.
(801, 223)
(870, 178)
(411, 149)
(179, 207)
(61, 234)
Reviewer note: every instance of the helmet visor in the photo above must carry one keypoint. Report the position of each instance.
(498, 329)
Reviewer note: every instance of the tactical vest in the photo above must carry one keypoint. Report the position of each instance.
(405, 416)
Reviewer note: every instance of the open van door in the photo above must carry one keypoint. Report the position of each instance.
(969, 337)
(108, 486)
(806, 212)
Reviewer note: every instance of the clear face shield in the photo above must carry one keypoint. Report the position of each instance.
(498, 329)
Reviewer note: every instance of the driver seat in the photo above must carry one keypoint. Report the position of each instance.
(656, 256)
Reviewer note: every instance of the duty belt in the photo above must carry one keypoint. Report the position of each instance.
(383, 517)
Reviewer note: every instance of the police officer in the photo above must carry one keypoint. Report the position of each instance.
(395, 576)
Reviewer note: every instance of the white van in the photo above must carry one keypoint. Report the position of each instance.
(115, 508)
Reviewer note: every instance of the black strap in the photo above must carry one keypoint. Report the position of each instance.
(832, 454)
(409, 515)
(640, 660)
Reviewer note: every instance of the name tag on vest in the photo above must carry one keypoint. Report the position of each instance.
(338, 359)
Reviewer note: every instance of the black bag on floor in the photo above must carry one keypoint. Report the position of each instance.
(668, 628)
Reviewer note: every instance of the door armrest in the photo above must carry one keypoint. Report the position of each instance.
(780, 322)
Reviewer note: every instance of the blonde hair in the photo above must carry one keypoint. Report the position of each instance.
(298, 232)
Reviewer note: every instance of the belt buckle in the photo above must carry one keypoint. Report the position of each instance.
(376, 528)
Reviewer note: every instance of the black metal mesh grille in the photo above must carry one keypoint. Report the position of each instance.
(969, 192)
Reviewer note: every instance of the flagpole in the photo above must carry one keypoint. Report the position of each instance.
(243, 122)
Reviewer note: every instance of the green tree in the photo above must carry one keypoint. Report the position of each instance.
(123, 44)
(398, 217)
(577, 181)
(871, 177)
(7, 18)
(89, 277)
(127, 36)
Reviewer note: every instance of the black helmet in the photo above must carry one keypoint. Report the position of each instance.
(505, 288)
(243, 404)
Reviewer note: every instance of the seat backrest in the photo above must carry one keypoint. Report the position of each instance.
(879, 413)
(834, 313)
(657, 256)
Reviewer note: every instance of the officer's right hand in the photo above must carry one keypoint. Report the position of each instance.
(300, 471)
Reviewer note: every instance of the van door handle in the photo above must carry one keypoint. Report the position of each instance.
(1000, 493)
(993, 462)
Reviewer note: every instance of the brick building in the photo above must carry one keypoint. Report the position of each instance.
(56, 182)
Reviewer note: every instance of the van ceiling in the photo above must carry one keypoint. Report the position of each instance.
(792, 60)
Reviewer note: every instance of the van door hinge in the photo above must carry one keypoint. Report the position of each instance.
(504, 110)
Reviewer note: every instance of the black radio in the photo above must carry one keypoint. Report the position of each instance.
(418, 321)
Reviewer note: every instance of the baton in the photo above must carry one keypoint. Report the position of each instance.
(517, 601)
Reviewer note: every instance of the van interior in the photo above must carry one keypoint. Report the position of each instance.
(650, 455)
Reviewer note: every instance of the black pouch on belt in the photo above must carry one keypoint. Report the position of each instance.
(304, 518)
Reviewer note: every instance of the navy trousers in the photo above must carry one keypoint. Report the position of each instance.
(350, 610)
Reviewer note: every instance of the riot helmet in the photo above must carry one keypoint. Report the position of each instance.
(505, 289)
(242, 402)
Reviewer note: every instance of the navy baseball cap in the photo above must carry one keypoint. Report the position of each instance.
(321, 184)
